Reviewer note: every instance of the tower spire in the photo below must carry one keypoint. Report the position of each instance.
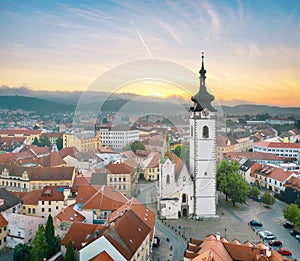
(203, 98)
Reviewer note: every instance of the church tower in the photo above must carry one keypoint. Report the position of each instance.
(203, 150)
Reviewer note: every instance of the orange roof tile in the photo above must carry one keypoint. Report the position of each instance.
(70, 215)
(3, 221)
(120, 168)
(100, 197)
(31, 197)
(103, 256)
(80, 238)
(72, 151)
(277, 144)
(144, 213)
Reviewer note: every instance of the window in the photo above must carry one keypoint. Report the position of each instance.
(33, 211)
(19, 233)
(43, 202)
(56, 207)
(124, 179)
(205, 132)
(49, 209)
(43, 210)
(192, 133)
(168, 179)
(49, 202)
(29, 210)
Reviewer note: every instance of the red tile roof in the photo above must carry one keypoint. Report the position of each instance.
(106, 149)
(72, 151)
(79, 180)
(3, 221)
(253, 155)
(80, 238)
(277, 144)
(53, 193)
(100, 197)
(31, 197)
(24, 132)
(293, 182)
(103, 256)
(144, 213)
(70, 215)
(120, 168)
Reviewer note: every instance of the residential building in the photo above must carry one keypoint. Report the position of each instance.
(28, 179)
(32, 134)
(117, 137)
(84, 142)
(247, 170)
(282, 149)
(95, 203)
(151, 166)
(280, 121)
(123, 176)
(22, 228)
(272, 178)
(259, 157)
(127, 238)
(216, 248)
(3, 232)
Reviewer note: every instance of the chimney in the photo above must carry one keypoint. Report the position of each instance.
(218, 236)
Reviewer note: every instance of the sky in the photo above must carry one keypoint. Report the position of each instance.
(252, 48)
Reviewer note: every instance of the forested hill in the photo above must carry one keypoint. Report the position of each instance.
(32, 104)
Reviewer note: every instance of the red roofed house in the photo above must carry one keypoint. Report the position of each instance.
(3, 231)
(122, 176)
(175, 186)
(219, 249)
(95, 203)
(272, 178)
(32, 134)
(127, 238)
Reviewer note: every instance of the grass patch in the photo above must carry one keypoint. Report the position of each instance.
(267, 206)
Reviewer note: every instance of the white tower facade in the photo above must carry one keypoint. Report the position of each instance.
(203, 151)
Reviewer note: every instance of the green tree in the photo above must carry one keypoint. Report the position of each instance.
(52, 240)
(267, 199)
(254, 192)
(238, 189)
(182, 152)
(36, 142)
(231, 183)
(59, 143)
(137, 145)
(292, 214)
(70, 251)
(225, 169)
(39, 246)
(44, 141)
(21, 252)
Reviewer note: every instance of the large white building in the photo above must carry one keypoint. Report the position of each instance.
(282, 149)
(192, 193)
(117, 137)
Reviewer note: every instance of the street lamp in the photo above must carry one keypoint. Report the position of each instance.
(225, 229)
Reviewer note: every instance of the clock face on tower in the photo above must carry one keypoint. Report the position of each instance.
(205, 112)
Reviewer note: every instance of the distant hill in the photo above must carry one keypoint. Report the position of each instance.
(138, 104)
(33, 104)
(261, 109)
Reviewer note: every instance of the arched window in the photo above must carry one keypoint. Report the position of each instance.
(205, 132)
(184, 198)
(168, 179)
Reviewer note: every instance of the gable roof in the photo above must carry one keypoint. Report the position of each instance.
(80, 238)
(8, 200)
(100, 197)
(127, 234)
(144, 213)
(30, 197)
(70, 215)
(103, 256)
(119, 168)
(71, 151)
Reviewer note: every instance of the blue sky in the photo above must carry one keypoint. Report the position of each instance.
(252, 48)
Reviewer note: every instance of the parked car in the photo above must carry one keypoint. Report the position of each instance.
(294, 233)
(285, 252)
(156, 242)
(288, 225)
(255, 223)
(275, 243)
(267, 235)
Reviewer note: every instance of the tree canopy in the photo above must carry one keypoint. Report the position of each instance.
(292, 214)
(70, 251)
(39, 246)
(231, 183)
(21, 252)
(137, 145)
(254, 192)
(268, 199)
